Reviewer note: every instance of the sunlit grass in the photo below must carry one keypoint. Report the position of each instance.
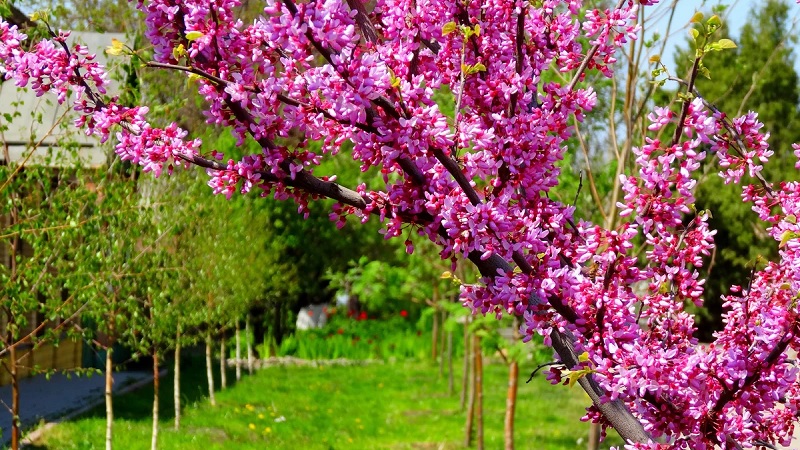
(380, 406)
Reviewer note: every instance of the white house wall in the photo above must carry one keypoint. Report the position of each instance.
(40, 120)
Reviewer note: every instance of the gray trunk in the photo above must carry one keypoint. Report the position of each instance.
(176, 384)
(210, 371)
(154, 440)
(248, 340)
(238, 352)
(223, 364)
(109, 399)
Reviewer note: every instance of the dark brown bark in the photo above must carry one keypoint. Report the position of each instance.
(15, 432)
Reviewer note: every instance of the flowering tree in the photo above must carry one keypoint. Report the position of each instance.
(363, 74)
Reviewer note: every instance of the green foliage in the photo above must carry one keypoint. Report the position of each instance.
(758, 75)
(385, 288)
(358, 339)
(44, 212)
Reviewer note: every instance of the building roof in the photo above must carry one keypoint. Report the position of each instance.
(43, 127)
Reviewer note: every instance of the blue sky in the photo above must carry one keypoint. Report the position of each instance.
(737, 14)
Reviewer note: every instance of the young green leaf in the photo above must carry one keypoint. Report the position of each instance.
(193, 35)
(726, 44)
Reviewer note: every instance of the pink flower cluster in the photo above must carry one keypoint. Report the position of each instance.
(350, 72)
(51, 66)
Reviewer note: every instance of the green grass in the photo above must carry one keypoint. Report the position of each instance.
(381, 406)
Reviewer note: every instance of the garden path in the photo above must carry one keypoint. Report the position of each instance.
(60, 396)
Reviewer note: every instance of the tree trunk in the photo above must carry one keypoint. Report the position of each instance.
(176, 383)
(210, 371)
(435, 335)
(465, 374)
(450, 379)
(594, 436)
(223, 364)
(238, 352)
(511, 404)
(249, 343)
(154, 440)
(479, 392)
(471, 402)
(12, 362)
(277, 329)
(109, 397)
(511, 396)
(441, 343)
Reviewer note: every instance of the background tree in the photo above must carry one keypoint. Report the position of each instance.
(114, 249)
(44, 211)
(758, 75)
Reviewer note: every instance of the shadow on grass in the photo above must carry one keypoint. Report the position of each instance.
(138, 405)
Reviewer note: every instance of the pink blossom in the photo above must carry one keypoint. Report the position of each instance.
(477, 184)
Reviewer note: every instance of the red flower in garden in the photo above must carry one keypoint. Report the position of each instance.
(340, 331)
(404, 313)
(362, 316)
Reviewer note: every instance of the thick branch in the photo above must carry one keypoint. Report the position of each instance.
(19, 18)
(615, 411)
(362, 19)
(302, 180)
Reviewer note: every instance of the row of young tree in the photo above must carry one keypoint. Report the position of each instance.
(95, 257)
(633, 114)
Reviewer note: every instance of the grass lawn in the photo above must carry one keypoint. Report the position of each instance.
(403, 405)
